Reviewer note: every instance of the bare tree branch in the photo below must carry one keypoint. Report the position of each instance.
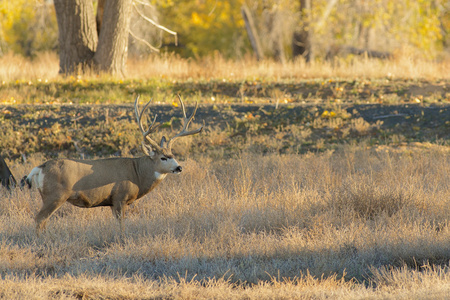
(326, 13)
(145, 42)
(252, 32)
(142, 3)
(213, 9)
(155, 24)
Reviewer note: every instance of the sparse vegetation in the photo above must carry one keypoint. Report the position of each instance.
(89, 131)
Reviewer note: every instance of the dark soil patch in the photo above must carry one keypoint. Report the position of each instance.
(106, 128)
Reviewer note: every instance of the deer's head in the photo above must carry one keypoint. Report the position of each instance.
(161, 153)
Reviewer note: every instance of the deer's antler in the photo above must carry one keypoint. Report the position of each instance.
(186, 122)
(152, 128)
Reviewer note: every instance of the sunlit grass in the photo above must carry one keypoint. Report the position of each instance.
(215, 80)
(44, 68)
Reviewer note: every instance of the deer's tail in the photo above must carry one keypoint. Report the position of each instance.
(25, 181)
(28, 180)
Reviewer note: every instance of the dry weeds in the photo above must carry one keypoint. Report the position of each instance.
(404, 65)
(354, 223)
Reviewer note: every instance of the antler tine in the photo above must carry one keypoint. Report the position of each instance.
(182, 105)
(136, 107)
(152, 128)
(186, 121)
(138, 116)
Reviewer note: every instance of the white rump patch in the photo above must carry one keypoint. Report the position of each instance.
(160, 176)
(36, 177)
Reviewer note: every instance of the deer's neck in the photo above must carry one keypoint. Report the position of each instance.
(148, 178)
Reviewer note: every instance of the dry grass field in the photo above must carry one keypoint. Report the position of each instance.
(354, 223)
(304, 201)
(404, 65)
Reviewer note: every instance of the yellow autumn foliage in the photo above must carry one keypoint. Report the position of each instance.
(209, 26)
(27, 27)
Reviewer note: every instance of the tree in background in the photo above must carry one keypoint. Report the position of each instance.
(27, 27)
(301, 38)
(308, 28)
(205, 26)
(216, 26)
(269, 25)
(82, 44)
(380, 25)
(77, 34)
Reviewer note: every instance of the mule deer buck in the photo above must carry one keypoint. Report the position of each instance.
(114, 182)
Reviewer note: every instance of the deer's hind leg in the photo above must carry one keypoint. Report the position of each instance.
(51, 204)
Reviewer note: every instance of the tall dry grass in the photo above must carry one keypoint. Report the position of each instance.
(355, 223)
(404, 65)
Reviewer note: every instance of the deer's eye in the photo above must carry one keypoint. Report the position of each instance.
(163, 158)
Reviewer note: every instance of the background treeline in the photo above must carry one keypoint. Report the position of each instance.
(206, 27)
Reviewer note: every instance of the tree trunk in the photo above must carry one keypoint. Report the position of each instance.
(252, 32)
(301, 40)
(112, 47)
(99, 16)
(77, 34)
(83, 45)
(273, 23)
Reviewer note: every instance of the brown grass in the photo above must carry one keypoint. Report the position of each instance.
(404, 65)
(353, 223)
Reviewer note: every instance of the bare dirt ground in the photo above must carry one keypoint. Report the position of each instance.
(306, 115)
(430, 117)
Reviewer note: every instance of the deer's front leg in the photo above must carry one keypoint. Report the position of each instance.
(118, 210)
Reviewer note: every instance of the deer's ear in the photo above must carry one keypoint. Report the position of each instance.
(163, 141)
(148, 150)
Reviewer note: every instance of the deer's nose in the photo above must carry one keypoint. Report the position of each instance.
(178, 169)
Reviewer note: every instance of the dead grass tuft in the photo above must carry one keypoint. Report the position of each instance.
(368, 199)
